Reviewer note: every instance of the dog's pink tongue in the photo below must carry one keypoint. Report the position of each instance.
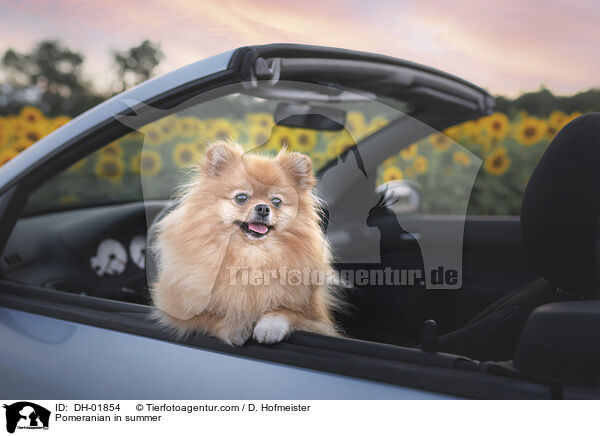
(258, 228)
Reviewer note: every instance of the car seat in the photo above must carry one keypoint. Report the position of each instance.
(560, 235)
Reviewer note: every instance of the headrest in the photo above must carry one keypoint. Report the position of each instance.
(560, 210)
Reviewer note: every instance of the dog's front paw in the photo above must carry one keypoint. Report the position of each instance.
(271, 329)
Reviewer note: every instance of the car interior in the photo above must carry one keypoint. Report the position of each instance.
(523, 320)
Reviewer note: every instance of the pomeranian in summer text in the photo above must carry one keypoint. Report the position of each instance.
(230, 254)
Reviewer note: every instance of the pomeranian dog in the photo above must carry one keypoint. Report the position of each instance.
(237, 257)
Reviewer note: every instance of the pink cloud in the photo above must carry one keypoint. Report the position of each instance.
(520, 43)
(506, 46)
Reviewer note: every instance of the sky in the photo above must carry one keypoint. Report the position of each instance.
(505, 46)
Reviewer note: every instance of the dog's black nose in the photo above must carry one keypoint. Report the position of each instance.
(263, 210)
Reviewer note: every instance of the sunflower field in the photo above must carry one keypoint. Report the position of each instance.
(507, 150)
(18, 132)
(162, 153)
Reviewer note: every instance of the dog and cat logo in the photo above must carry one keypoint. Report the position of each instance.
(26, 415)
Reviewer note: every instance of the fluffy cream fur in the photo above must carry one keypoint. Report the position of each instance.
(201, 238)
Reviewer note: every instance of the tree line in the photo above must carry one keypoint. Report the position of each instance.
(543, 102)
(51, 77)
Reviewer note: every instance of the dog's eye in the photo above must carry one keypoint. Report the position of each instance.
(276, 201)
(241, 198)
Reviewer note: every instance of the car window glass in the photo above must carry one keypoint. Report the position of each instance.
(175, 143)
(509, 147)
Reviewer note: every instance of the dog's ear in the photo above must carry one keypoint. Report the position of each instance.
(299, 167)
(219, 155)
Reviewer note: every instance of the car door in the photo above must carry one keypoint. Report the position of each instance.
(48, 358)
(125, 345)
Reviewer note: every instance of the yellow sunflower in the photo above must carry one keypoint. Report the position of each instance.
(258, 135)
(59, 121)
(281, 137)
(471, 130)
(461, 158)
(31, 133)
(147, 163)
(319, 160)
(208, 123)
(497, 162)
(377, 123)
(185, 155)
(572, 116)
(168, 127)
(112, 149)
(189, 127)
(339, 145)
(356, 124)
(334, 149)
(550, 131)
(409, 152)
(260, 119)
(304, 140)
(21, 144)
(45, 127)
(497, 125)
(222, 128)
(109, 168)
(6, 155)
(392, 160)
(5, 128)
(557, 120)
(201, 145)
(392, 173)
(31, 115)
(453, 132)
(153, 135)
(420, 165)
(4, 138)
(13, 119)
(530, 131)
(439, 141)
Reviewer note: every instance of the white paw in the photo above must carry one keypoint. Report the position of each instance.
(271, 328)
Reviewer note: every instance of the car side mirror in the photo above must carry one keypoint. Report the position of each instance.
(401, 197)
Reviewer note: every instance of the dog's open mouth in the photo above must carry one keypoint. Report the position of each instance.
(254, 230)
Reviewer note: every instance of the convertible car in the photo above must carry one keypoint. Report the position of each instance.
(442, 303)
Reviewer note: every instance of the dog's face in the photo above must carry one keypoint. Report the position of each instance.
(257, 198)
(258, 209)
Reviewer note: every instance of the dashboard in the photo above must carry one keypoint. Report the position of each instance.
(99, 251)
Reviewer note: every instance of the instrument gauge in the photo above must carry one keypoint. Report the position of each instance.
(110, 258)
(137, 251)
